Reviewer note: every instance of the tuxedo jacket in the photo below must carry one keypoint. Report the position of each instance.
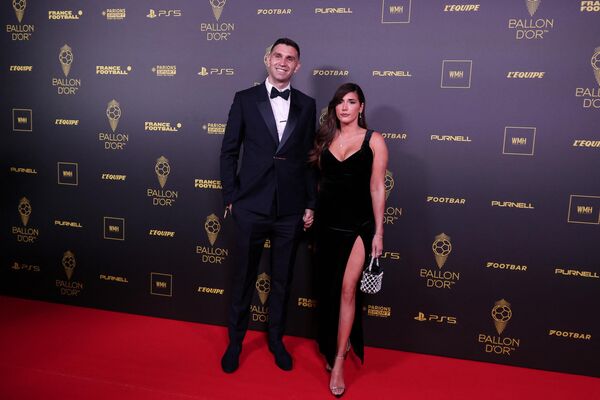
(268, 169)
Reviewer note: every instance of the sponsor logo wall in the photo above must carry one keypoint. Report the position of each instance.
(112, 121)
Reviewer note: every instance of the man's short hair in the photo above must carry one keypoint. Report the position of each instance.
(287, 42)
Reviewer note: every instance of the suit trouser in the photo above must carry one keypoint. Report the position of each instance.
(253, 230)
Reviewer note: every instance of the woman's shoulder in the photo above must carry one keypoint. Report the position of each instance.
(375, 136)
(377, 141)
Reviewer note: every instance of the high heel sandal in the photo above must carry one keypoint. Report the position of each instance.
(329, 367)
(338, 391)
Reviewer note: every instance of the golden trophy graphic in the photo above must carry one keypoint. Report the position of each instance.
(322, 116)
(212, 226)
(24, 210)
(162, 169)
(19, 7)
(596, 64)
(68, 262)
(217, 7)
(66, 59)
(113, 113)
(441, 249)
(501, 313)
(263, 286)
(532, 6)
(266, 57)
(388, 183)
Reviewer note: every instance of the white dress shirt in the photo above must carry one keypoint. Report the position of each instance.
(280, 107)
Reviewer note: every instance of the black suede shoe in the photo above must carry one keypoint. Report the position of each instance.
(231, 359)
(282, 357)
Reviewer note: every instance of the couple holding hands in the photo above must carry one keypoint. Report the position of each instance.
(290, 178)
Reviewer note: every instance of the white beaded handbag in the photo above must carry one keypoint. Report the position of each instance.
(372, 277)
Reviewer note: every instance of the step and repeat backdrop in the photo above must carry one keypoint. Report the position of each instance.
(113, 113)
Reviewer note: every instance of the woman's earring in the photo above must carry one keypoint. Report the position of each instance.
(359, 115)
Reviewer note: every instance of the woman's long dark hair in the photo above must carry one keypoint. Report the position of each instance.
(331, 123)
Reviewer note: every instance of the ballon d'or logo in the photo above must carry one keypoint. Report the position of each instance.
(532, 6)
(441, 249)
(266, 58)
(66, 59)
(162, 169)
(596, 64)
(68, 262)
(24, 210)
(217, 7)
(19, 7)
(388, 183)
(212, 226)
(322, 116)
(501, 313)
(263, 286)
(113, 113)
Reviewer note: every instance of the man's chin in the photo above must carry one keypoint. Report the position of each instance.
(282, 78)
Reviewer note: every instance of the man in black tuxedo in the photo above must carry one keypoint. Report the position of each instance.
(271, 194)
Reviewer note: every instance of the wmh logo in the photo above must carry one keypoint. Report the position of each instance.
(585, 210)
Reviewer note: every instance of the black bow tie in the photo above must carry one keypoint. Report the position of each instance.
(285, 94)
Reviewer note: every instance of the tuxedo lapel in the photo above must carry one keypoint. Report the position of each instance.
(295, 110)
(264, 106)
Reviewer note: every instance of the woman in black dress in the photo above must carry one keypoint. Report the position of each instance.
(352, 161)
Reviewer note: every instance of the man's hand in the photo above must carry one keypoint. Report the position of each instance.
(308, 218)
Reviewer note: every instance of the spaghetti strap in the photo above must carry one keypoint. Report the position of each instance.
(367, 136)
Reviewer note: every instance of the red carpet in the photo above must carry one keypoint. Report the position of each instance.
(53, 351)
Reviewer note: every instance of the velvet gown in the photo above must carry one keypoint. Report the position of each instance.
(344, 213)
